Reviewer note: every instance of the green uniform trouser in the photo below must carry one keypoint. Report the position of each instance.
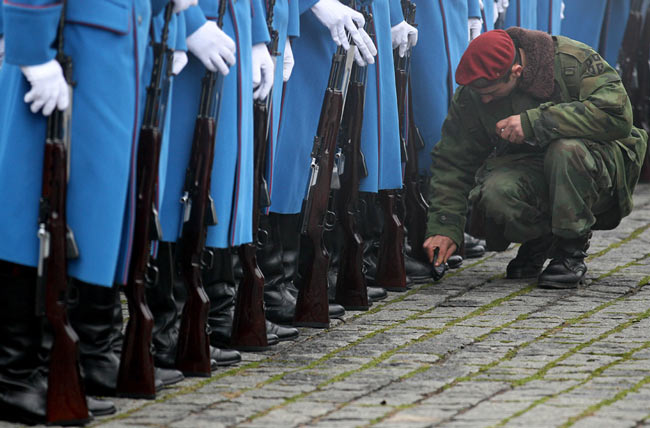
(559, 191)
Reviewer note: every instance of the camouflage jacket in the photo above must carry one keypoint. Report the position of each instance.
(588, 101)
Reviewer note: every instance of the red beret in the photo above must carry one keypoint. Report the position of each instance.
(489, 56)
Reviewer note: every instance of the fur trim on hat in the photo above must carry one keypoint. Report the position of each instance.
(538, 76)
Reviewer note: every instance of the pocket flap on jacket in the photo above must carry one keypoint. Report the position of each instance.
(110, 15)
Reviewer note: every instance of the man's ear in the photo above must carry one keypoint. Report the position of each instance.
(516, 70)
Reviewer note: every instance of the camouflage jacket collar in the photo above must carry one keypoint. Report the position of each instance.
(538, 77)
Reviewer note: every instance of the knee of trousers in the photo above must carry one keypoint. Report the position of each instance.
(501, 200)
(566, 154)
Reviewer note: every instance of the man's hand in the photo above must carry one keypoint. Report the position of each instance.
(474, 27)
(212, 47)
(404, 37)
(510, 129)
(445, 245)
(338, 18)
(263, 71)
(49, 89)
(289, 62)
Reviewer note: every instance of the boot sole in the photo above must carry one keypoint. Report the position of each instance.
(550, 285)
(311, 324)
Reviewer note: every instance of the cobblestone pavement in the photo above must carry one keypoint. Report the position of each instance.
(475, 350)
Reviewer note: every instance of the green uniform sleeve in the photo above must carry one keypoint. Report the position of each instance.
(602, 111)
(463, 148)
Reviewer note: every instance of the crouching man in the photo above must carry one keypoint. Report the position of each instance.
(539, 138)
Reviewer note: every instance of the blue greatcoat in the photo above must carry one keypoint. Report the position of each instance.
(232, 171)
(522, 13)
(614, 30)
(286, 21)
(443, 37)
(583, 20)
(106, 40)
(548, 16)
(303, 101)
(488, 15)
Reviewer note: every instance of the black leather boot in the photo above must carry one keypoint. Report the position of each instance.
(567, 269)
(23, 371)
(474, 247)
(530, 258)
(165, 353)
(417, 271)
(219, 284)
(288, 229)
(92, 316)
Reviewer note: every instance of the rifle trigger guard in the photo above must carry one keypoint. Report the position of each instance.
(329, 221)
(208, 329)
(262, 238)
(207, 259)
(151, 275)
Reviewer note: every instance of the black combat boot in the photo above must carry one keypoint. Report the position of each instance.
(530, 258)
(164, 306)
(23, 372)
(418, 271)
(288, 229)
(219, 284)
(567, 269)
(93, 316)
(474, 247)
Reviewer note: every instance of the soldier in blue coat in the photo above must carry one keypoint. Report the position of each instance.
(106, 42)
(522, 13)
(442, 40)
(549, 16)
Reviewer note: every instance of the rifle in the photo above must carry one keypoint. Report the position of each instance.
(136, 375)
(351, 287)
(66, 399)
(312, 307)
(193, 349)
(249, 321)
(416, 207)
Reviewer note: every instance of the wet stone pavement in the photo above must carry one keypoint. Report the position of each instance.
(475, 350)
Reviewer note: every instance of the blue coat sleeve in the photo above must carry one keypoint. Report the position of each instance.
(306, 5)
(260, 31)
(293, 29)
(39, 19)
(1, 32)
(180, 33)
(157, 6)
(194, 18)
(396, 15)
(473, 9)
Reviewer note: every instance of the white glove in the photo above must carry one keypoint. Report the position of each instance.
(338, 18)
(263, 71)
(179, 61)
(287, 65)
(49, 88)
(181, 5)
(474, 26)
(502, 5)
(562, 10)
(2, 49)
(404, 36)
(212, 47)
(496, 12)
(480, 4)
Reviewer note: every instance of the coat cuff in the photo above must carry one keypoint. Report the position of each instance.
(396, 15)
(527, 127)
(40, 23)
(260, 31)
(194, 19)
(305, 5)
(446, 224)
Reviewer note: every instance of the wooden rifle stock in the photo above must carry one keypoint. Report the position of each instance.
(391, 273)
(66, 399)
(312, 306)
(136, 375)
(416, 206)
(193, 349)
(249, 321)
(351, 287)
